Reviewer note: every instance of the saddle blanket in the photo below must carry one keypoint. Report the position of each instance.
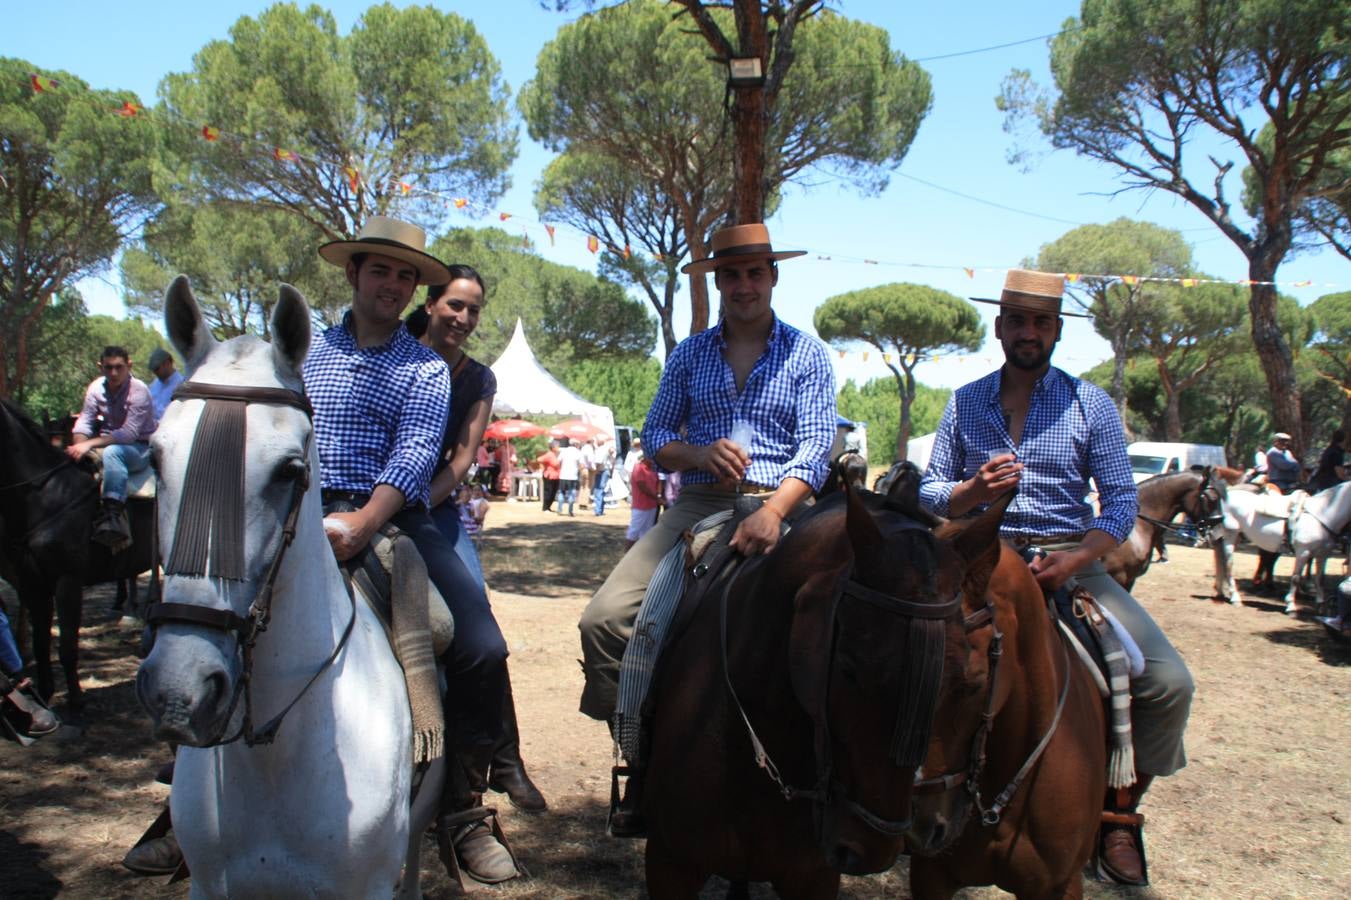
(658, 608)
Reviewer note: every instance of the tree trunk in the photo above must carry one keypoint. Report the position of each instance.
(1119, 379)
(698, 246)
(750, 117)
(905, 386)
(1277, 363)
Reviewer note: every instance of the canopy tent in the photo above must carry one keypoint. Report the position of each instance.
(525, 388)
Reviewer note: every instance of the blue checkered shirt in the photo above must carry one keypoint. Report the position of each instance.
(1072, 433)
(379, 412)
(788, 401)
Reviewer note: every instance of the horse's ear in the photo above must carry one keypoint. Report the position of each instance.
(977, 542)
(290, 328)
(858, 522)
(903, 494)
(183, 320)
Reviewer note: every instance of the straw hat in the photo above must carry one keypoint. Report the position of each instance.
(390, 237)
(1280, 436)
(737, 243)
(1035, 292)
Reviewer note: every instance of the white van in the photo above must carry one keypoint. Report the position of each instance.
(1150, 458)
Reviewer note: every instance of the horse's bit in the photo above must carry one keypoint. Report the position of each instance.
(820, 794)
(246, 629)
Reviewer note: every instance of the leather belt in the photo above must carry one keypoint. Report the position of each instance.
(745, 487)
(1023, 541)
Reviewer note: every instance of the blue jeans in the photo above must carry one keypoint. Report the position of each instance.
(447, 519)
(10, 662)
(598, 486)
(119, 461)
(567, 493)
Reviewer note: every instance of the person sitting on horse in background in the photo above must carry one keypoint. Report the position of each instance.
(747, 406)
(381, 401)
(451, 313)
(1332, 469)
(167, 380)
(1033, 427)
(119, 417)
(1283, 469)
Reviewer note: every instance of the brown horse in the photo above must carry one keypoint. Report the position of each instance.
(793, 710)
(1011, 791)
(1161, 499)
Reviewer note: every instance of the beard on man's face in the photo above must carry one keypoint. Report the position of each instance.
(1028, 355)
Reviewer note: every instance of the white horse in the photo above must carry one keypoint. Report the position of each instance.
(324, 809)
(1314, 535)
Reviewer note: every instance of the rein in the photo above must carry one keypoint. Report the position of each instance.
(245, 629)
(820, 794)
(971, 776)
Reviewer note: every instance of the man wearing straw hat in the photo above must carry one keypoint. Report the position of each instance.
(747, 406)
(380, 403)
(1032, 426)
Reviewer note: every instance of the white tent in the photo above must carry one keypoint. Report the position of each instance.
(919, 449)
(525, 388)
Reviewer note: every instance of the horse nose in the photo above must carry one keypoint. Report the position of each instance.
(183, 712)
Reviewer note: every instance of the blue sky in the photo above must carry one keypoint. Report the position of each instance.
(914, 231)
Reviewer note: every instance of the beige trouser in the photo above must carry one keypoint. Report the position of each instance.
(1161, 696)
(607, 622)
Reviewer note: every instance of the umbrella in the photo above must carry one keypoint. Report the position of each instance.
(512, 428)
(576, 429)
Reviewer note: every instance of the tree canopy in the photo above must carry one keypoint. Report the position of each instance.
(653, 166)
(75, 180)
(411, 97)
(1137, 82)
(905, 322)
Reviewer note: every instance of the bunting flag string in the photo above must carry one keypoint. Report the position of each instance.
(404, 187)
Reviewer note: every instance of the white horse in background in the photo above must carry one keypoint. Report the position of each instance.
(1315, 535)
(324, 809)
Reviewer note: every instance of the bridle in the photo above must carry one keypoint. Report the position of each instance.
(970, 776)
(826, 786)
(245, 629)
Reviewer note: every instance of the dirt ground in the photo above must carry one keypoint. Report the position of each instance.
(1260, 812)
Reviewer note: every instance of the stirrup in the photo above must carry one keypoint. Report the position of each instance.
(629, 773)
(449, 826)
(1133, 822)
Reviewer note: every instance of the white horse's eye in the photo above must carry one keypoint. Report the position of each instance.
(291, 470)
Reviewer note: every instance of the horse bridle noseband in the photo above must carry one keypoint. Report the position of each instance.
(820, 794)
(246, 629)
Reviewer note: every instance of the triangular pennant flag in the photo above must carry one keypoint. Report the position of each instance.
(841, 354)
(1073, 277)
(865, 355)
(910, 359)
(886, 358)
(626, 251)
(353, 177)
(592, 243)
(551, 230)
(1189, 282)
(503, 216)
(405, 187)
(129, 109)
(1132, 280)
(41, 83)
(970, 273)
(461, 203)
(282, 155)
(210, 133)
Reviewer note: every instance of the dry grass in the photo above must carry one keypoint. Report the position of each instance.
(1260, 812)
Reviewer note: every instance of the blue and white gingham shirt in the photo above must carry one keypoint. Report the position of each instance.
(1072, 433)
(788, 401)
(379, 412)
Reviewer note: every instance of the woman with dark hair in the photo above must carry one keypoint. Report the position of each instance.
(1331, 465)
(452, 313)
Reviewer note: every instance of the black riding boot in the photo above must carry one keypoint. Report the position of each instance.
(507, 774)
(626, 818)
(469, 835)
(112, 529)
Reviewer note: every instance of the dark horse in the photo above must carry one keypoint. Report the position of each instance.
(1011, 790)
(1161, 499)
(792, 711)
(47, 505)
(849, 468)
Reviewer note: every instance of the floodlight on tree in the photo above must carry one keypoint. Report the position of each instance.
(745, 73)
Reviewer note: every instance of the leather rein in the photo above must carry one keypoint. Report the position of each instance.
(246, 629)
(970, 776)
(820, 793)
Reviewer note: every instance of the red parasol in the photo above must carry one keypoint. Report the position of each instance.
(506, 429)
(576, 429)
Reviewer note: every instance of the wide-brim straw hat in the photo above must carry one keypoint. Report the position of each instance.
(736, 244)
(390, 237)
(1035, 292)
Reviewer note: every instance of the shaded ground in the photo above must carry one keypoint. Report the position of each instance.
(1260, 812)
